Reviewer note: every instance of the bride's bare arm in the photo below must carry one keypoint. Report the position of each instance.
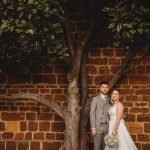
(119, 114)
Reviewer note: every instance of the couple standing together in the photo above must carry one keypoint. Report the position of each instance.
(106, 118)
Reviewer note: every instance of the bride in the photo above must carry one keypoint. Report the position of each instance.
(117, 125)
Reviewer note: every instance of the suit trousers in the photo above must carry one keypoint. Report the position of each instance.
(99, 143)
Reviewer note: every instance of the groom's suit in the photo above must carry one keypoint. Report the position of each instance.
(99, 119)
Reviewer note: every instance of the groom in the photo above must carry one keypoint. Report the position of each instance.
(99, 116)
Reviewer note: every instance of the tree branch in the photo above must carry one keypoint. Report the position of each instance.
(50, 103)
(115, 79)
(69, 39)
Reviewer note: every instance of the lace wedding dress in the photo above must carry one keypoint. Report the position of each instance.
(125, 141)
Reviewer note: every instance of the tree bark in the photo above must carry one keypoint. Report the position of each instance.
(83, 119)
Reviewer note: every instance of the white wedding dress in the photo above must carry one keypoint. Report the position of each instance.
(125, 141)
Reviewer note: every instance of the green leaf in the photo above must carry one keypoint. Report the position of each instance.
(29, 31)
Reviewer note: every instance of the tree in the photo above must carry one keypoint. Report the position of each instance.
(25, 20)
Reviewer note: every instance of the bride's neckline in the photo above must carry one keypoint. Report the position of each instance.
(115, 104)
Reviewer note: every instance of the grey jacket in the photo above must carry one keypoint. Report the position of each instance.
(96, 111)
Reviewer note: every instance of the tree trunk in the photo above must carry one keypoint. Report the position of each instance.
(72, 120)
(83, 120)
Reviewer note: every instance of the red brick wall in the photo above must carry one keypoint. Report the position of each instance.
(28, 125)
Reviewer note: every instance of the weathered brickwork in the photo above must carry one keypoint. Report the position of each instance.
(28, 125)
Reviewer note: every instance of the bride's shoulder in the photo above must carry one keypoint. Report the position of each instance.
(120, 105)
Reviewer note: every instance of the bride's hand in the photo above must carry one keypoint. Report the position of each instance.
(114, 133)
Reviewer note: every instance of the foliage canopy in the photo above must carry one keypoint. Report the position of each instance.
(30, 29)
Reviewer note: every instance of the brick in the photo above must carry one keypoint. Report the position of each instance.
(19, 136)
(128, 104)
(143, 118)
(51, 146)
(56, 91)
(131, 98)
(91, 69)
(48, 69)
(45, 109)
(36, 109)
(98, 79)
(114, 69)
(114, 61)
(59, 136)
(19, 78)
(24, 108)
(133, 137)
(45, 116)
(139, 110)
(33, 91)
(3, 91)
(12, 116)
(130, 118)
(23, 91)
(2, 108)
(90, 80)
(12, 126)
(44, 126)
(147, 127)
(23, 126)
(138, 79)
(146, 98)
(120, 52)
(135, 127)
(143, 91)
(143, 137)
(57, 127)
(62, 79)
(2, 145)
(35, 146)
(146, 146)
(139, 146)
(7, 135)
(13, 91)
(51, 79)
(60, 98)
(2, 126)
(28, 135)
(20, 103)
(23, 146)
(141, 104)
(103, 70)
(32, 103)
(97, 61)
(95, 53)
(140, 69)
(32, 126)
(10, 145)
(13, 108)
(30, 116)
(109, 52)
(38, 135)
(44, 91)
(146, 61)
(148, 69)
(61, 69)
(50, 136)
(57, 118)
(92, 91)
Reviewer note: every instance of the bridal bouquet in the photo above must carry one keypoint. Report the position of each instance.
(111, 141)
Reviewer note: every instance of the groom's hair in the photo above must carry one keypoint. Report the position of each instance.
(104, 82)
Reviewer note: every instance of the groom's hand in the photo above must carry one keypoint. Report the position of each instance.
(93, 132)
